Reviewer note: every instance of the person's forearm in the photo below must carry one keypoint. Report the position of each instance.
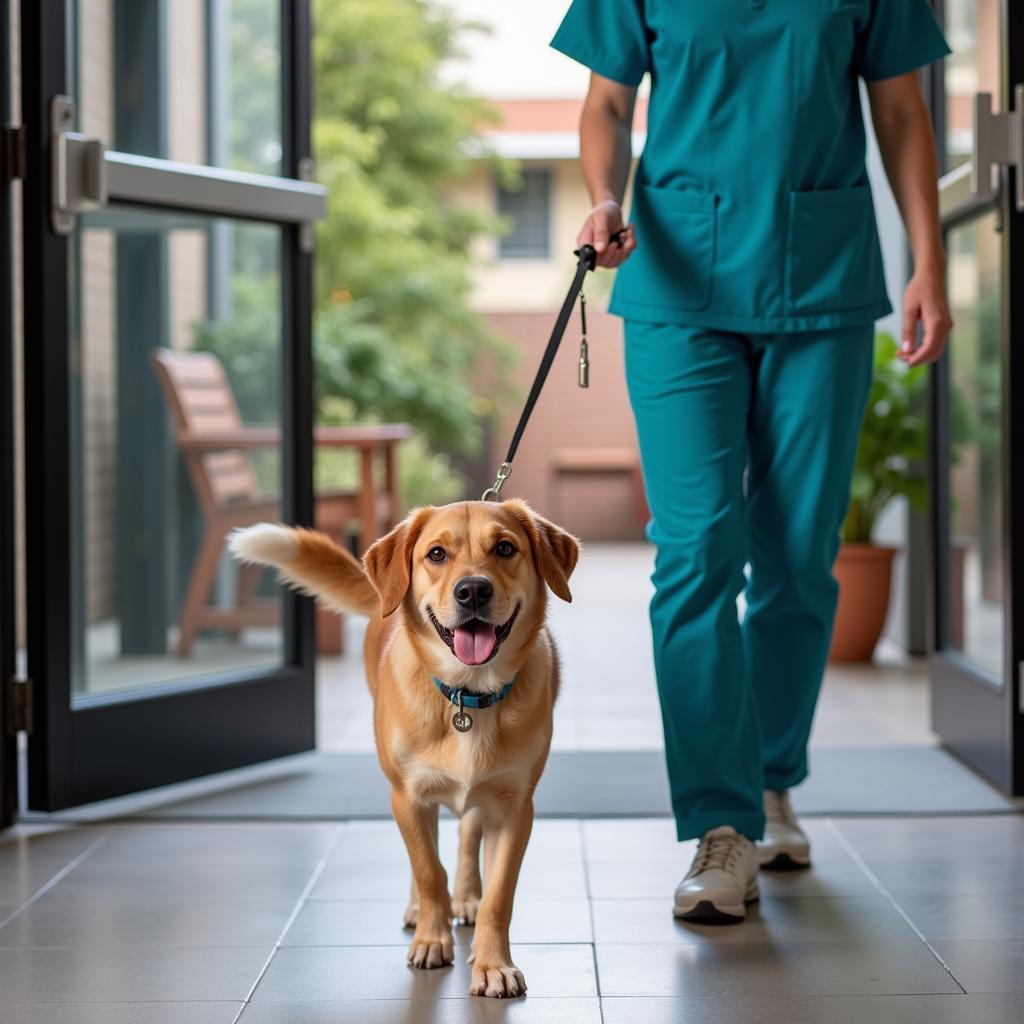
(908, 152)
(605, 149)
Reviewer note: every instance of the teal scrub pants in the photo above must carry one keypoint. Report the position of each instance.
(747, 444)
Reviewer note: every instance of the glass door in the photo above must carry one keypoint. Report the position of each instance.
(168, 228)
(978, 446)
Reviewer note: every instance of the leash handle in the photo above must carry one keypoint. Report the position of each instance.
(586, 261)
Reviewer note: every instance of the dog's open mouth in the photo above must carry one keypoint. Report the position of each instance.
(474, 642)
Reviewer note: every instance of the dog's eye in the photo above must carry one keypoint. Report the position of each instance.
(437, 554)
(504, 549)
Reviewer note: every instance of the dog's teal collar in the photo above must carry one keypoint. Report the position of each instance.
(460, 698)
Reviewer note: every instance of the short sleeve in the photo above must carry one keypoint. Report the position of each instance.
(899, 36)
(608, 36)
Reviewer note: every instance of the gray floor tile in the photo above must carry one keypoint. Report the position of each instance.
(994, 966)
(982, 836)
(82, 919)
(254, 844)
(926, 876)
(759, 1009)
(121, 1013)
(658, 879)
(780, 969)
(529, 1010)
(29, 861)
(90, 975)
(373, 923)
(538, 879)
(981, 916)
(855, 919)
(380, 972)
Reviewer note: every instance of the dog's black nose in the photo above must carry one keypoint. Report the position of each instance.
(473, 592)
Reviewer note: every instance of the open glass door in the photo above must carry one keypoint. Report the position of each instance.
(978, 440)
(167, 386)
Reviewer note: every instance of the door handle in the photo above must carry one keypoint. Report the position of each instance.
(78, 172)
(998, 142)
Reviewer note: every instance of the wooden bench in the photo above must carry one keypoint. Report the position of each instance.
(602, 461)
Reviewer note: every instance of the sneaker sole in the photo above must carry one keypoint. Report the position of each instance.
(708, 912)
(786, 862)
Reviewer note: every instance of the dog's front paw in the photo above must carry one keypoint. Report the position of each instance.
(427, 952)
(496, 980)
(465, 910)
(411, 916)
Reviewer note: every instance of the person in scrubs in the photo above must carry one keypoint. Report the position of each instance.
(751, 278)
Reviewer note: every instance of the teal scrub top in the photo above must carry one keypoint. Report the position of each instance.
(751, 200)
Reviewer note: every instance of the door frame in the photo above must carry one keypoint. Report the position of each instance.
(980, 722)
(121, 743)
(8, 601)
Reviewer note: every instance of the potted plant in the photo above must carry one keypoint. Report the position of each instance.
(889, 464)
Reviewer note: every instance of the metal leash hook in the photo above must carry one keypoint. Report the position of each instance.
(584, 370)
(493, 493)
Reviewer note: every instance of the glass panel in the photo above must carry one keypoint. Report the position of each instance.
(972, 29)
(975, 610)
(179, 328)
(194, 80)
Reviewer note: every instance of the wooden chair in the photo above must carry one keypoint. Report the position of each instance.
(215, 445)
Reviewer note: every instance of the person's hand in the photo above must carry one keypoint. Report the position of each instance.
(601, 223)
(925, 300)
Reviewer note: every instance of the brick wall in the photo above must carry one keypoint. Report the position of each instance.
(595, 507)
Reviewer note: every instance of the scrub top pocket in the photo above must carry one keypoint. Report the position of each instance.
(675, 254)
(833, 256)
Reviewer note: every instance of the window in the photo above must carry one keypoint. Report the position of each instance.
(528, 208)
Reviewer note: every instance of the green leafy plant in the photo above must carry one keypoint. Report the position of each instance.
(894, 441)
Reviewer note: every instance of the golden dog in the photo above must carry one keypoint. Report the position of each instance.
(456, 596)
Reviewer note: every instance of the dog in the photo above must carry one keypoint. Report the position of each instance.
(457, 598)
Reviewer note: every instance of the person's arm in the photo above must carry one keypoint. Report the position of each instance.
(606, 127)
(905, 138)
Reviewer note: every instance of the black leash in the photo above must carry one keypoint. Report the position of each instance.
(587, 260)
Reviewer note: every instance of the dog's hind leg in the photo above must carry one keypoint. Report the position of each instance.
(432, 944)
(468, 884)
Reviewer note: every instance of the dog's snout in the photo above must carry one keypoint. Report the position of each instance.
(473, 592)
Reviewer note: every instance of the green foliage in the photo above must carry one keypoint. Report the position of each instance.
(893, 442)
(396, 338)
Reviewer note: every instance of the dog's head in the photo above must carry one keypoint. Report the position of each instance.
(472, 574)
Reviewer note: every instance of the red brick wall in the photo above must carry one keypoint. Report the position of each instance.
(595, 507)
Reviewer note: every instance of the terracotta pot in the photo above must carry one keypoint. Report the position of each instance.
(864, 574)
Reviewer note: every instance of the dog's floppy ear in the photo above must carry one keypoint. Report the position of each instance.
(388, 561)
(555, 551)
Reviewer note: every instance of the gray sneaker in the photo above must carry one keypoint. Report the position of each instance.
(722, 879)
(784, 846)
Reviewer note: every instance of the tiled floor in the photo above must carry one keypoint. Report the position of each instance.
(907, 921)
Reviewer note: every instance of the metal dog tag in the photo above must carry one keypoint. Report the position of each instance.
(462, 720)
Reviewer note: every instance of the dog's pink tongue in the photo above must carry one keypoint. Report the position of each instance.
(474, 643)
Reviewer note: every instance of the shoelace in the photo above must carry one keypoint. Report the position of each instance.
(716, 852)
(778, 808)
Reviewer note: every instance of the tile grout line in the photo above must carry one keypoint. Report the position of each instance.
(876, 882)
(299, 904)
(58, 877)
(590, 914)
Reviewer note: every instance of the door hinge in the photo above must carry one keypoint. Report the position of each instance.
(78, 172)
(13, 152)
(18, 710)
(998, 142)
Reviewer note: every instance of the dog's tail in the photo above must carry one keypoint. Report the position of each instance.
(311, 562)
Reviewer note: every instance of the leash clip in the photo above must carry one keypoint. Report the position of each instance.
(494, 491)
